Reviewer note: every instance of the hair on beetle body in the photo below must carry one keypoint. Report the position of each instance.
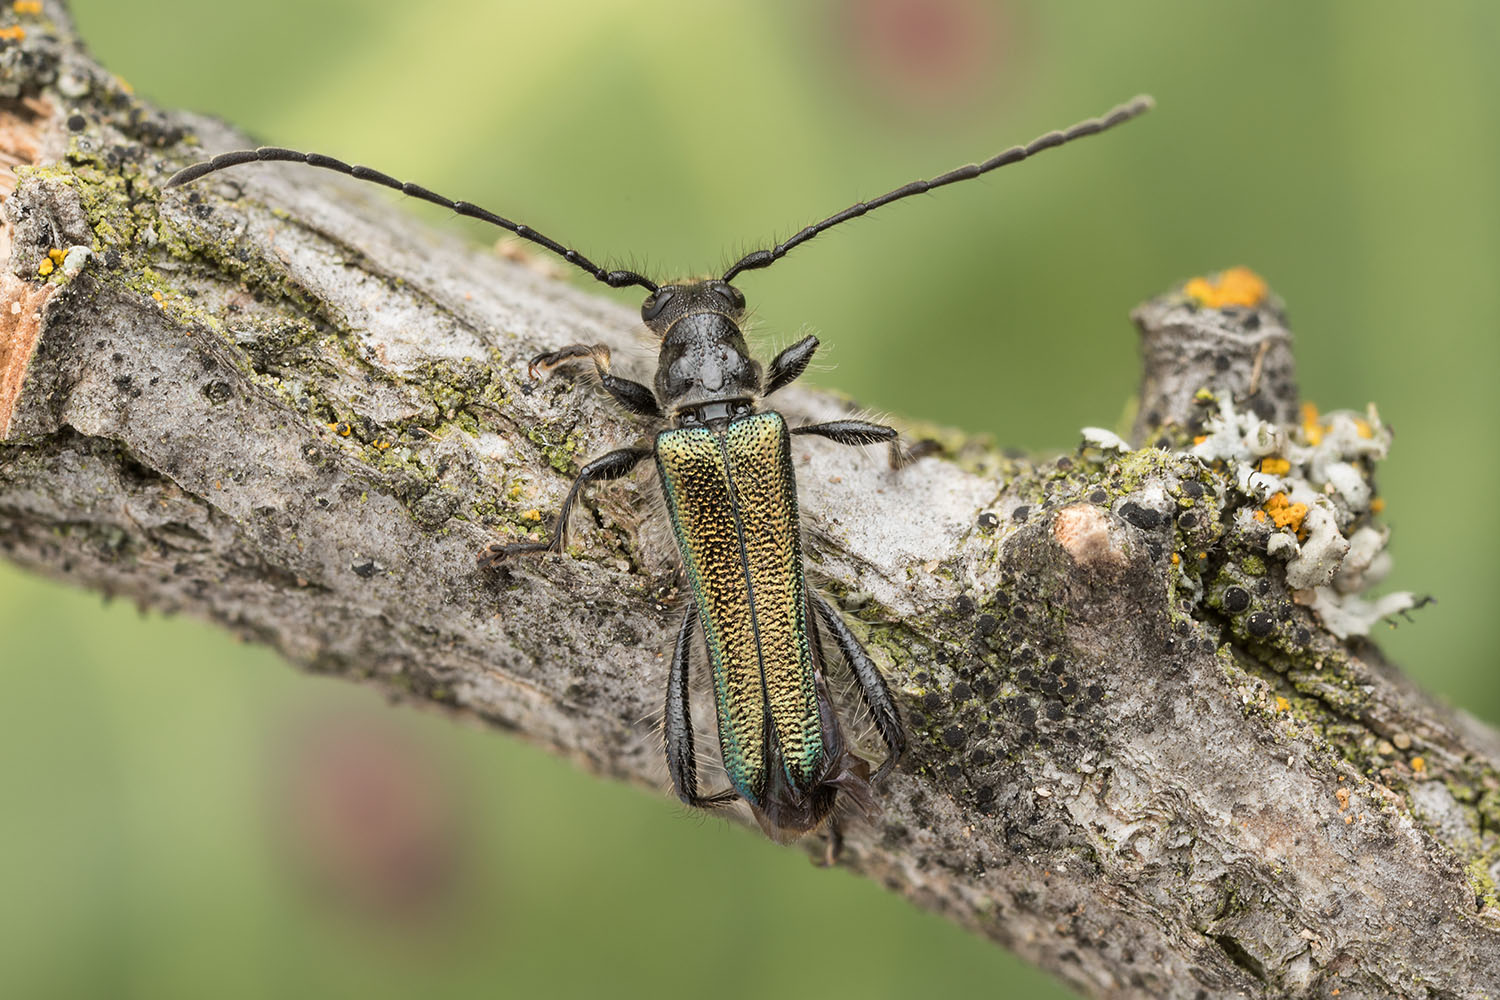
(723, 460)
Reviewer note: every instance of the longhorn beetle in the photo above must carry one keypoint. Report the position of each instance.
(726, 472)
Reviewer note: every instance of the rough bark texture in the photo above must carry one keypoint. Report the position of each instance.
(1139, 759)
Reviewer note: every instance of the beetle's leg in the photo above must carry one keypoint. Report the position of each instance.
(612, 465)
(864, 432)
(850, 431)
(789, 364)
(633, 396)
(872, 686)
(833, 844)
(858, 432)
(677, 724)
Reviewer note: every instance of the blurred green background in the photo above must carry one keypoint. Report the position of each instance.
(186, 816)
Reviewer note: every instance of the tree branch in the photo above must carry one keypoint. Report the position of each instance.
(1142, 758)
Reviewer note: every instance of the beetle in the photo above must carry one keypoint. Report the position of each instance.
(725, 468)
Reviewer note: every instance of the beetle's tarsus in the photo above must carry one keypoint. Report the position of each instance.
(549, 361)
(493, 554)
(901, 456)
(833, 844)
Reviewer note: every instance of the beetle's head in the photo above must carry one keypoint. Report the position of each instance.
(703, 353)
(670, 303)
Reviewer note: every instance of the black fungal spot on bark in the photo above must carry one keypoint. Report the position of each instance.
(1139, 516)
(1236, 599)
(1260, 624)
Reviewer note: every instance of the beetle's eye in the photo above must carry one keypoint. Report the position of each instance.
(655, 303)
(730, 295)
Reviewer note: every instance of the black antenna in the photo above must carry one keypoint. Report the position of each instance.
(1093, 126)
(614, 279)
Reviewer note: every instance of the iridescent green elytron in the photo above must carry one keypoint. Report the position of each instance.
(733, 503)
(726, 472)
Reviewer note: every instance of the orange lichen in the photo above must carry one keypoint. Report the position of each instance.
(1275, 466)
(1200, 439)
(1282, 705)
(1418, 764)
(1284, 513)
(1238, 286)
(12, 33)
(1260, 516)
(1312, 427)
(27, 6)
(532, 515)
(1176, 559)
(51, 262)
(1377, 505)
(1342, 794)
(1363, 428)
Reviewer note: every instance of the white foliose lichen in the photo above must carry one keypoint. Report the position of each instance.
(1105, 440)
(1315, 505)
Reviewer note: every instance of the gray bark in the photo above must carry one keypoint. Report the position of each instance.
(274, 401)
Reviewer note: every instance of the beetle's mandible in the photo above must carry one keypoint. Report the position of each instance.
(725, 466)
